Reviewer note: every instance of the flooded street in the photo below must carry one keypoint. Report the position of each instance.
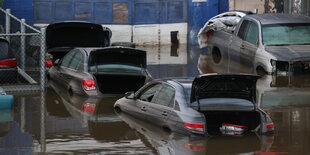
(58, 123)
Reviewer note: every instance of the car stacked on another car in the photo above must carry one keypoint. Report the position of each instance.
(209, 104)
(273, 43)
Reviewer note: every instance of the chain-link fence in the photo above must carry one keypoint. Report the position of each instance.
(22, 54)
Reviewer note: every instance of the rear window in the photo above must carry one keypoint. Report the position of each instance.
(114, 68)
(188, 90)
(227, 88)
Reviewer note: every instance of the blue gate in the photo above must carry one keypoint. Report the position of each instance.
(130, 12)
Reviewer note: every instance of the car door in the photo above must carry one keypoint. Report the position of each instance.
(161, 107)
(74, 74)
(249, 47)
(60, 74)
(139, 106)
(236, 45)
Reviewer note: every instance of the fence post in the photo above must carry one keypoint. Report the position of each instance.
(42, 59)
(7, 23)
(23, 44)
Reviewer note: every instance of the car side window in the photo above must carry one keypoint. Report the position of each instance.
(243, 28)
(76, 61)
(67, 59)
(165, 96)
(252, 34)
(148, 94)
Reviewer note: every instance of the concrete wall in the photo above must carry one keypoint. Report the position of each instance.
(247, 5)
(272, 6)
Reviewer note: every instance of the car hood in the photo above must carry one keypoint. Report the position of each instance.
(241, 86)
(77, 34)
(287, 53)
(118, 55)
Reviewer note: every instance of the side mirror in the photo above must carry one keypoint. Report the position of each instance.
(130, 95)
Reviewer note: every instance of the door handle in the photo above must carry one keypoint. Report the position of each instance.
(143, 108)
(164, 113)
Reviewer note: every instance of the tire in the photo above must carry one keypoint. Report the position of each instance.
(261, 71)
(216, 55)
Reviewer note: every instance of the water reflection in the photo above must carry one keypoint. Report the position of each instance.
(91, 126)
(12, 139)
(171, 61)
(284, 98)
(77, 125)
(166, 143)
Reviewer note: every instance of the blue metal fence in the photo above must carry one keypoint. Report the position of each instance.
(104, 11)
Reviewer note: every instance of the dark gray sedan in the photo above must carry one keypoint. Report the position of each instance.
(209, 104)
(97, 71)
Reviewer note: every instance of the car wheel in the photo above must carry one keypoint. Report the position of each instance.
(117, 109)
(261, 71)
(216, 55)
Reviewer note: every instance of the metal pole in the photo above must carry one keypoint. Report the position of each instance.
(23, 114)
(7, 23)
(42, 87)
(42, 59)
(42, 132)
(23, 44)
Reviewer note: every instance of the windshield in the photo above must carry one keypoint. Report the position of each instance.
(286, 34)
(114, 68)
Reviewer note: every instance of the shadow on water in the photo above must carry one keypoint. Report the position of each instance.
(284, 98)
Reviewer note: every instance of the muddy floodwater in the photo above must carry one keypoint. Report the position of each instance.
(55, 123)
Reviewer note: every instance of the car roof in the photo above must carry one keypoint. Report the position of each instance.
(182, 81)
(88, 50)
(279, 18)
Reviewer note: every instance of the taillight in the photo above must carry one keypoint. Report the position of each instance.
(195, 127)
(209, 33)
(88, 84)
(89, 107)
(49, 63)
(8, 63)
(195, 146)
(270, 126)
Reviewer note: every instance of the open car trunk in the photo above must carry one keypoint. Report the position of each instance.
(227, 101)
(118, 83)
(118, 69)
(65, 35)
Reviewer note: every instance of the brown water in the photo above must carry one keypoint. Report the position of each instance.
(63, 125)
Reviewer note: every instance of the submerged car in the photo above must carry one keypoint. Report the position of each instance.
(98, 71)
(163, 141)
(209, 104)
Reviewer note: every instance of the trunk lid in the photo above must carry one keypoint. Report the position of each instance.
(117, 56)
(76, 34)
(234, 86)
